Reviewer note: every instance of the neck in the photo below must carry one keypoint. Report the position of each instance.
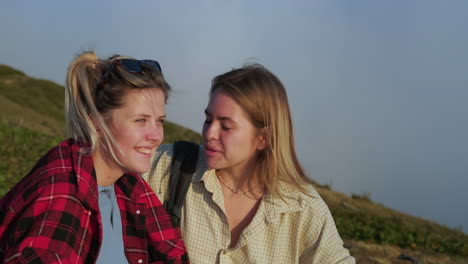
(240, 178)
(107, 170)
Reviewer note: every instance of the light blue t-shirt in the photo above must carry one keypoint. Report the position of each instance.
(112, 247)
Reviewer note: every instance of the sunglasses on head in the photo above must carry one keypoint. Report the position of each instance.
(130, 65)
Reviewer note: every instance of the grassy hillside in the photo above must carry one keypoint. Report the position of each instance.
(20, 148)
(31, 103)
(31, 122)
(360, 219)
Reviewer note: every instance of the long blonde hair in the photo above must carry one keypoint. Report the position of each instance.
(263, 97)
(89, 100)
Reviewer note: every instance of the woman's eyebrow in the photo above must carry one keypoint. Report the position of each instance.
(149, 116)
(222, 118)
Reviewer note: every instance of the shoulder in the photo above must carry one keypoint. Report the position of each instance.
(312, 200)
(306, 205)
(37, 188)
(320, 235)
(63, 160)
(313, 221)
(56, 160)
(52, 176)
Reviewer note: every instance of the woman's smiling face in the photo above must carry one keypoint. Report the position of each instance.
(137, 127)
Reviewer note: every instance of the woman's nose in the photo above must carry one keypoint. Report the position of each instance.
(210, 131)
(155, 134)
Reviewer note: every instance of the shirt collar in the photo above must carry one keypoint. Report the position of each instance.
(131, 186)
(274, 206)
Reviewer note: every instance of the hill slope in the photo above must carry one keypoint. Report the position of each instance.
(31, 122)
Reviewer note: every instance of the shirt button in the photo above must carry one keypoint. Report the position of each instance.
(140, 260)
(138, 212)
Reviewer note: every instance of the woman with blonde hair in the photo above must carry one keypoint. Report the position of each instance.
(250, 200)
(84, 201)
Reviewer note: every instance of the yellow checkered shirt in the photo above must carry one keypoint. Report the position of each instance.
(299, 229)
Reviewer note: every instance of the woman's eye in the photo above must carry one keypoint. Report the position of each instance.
(162, 121)
(141, 120)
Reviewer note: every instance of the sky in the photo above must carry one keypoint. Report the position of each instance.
(377, 89)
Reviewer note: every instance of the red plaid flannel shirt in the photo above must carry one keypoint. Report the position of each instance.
(52, 215)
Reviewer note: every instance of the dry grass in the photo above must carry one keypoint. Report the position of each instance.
(368, 253)
(18, 115)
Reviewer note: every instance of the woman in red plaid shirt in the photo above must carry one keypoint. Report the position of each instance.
(84, 201)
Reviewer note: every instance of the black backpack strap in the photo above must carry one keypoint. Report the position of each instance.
(183, 167)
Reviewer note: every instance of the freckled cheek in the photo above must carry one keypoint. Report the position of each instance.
(128, 137)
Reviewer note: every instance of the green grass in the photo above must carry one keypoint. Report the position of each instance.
(20, 149)
(8, 71)
(359, 218)
(173, 132)
(401, 232)
(45, 97)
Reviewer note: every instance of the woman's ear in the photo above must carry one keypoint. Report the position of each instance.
(262, 141)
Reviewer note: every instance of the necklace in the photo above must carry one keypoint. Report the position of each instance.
(229, 187)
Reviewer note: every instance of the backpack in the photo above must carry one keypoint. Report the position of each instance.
(183, 166)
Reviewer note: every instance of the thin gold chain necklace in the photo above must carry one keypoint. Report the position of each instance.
(229, 187)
